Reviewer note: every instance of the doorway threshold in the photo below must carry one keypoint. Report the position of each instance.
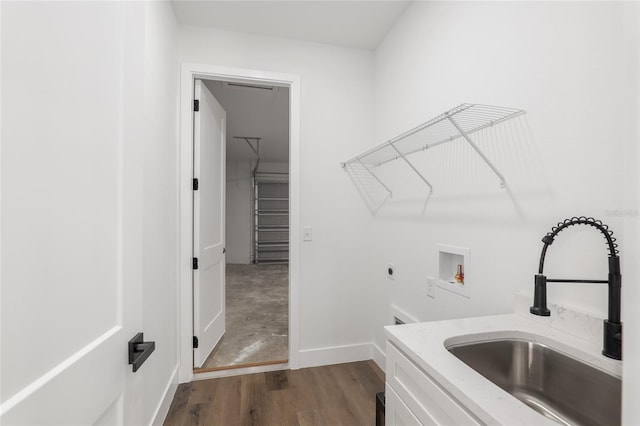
(239, 370)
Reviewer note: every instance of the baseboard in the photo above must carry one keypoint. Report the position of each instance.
(334, 355)
(163, 407)
(379, 357)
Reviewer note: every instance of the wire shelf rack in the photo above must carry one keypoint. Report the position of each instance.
(458, 123)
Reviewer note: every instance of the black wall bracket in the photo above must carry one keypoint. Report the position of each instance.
(139, 351)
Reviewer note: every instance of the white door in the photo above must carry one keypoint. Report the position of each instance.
(208, 223)
(71, 212)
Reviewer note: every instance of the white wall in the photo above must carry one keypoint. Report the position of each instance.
(160, 209)
(568, 65)
(238, 212)
(631, 300)
(336, 116)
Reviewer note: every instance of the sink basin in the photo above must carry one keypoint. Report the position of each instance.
(560, 387)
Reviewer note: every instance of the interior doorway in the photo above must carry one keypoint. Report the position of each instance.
(189, 73)
(257, 224)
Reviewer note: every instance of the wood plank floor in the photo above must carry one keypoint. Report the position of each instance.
(342, 394)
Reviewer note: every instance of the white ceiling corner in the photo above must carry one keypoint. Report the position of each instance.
(353, 23)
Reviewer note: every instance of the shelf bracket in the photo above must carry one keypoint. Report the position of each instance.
(255, 149)
(475, 147)
(376, 178)
(248, 140)
(412, 167)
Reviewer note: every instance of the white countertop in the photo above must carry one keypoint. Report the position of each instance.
(566, 331)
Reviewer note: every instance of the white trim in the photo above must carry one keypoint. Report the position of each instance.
(335, 355)
(162, 409)
(379, 357)
(189, 72)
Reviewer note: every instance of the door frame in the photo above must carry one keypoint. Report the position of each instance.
(189, 72)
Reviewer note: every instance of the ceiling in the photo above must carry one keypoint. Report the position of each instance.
(352, 23)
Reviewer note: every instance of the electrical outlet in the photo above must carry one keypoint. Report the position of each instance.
(431, 290)
(431, 287)
(391, 271)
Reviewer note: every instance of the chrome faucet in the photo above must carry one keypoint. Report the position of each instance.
(612, 340)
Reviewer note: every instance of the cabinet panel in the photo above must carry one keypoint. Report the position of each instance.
(396, 412)
(431, 404)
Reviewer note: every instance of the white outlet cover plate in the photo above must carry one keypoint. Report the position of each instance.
(431, 287)
(307, 233)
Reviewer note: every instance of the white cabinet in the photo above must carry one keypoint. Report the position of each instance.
(413, 397)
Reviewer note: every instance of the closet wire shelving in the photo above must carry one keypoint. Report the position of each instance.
(271, 218)
(458, 123)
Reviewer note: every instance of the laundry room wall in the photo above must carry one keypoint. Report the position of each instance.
(160, 209)
(574, 68)
(336, 116)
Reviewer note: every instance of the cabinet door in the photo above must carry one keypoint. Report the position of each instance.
(396, 412)
(422, 394)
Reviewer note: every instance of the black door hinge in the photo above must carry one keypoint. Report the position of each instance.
(195, 184)
(195, 263)
(196, 105)
(224, 250)
(195, 342)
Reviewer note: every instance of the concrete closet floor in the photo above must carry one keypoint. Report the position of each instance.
(257, 317)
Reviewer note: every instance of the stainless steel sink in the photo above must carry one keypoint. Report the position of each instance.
(558, 386)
